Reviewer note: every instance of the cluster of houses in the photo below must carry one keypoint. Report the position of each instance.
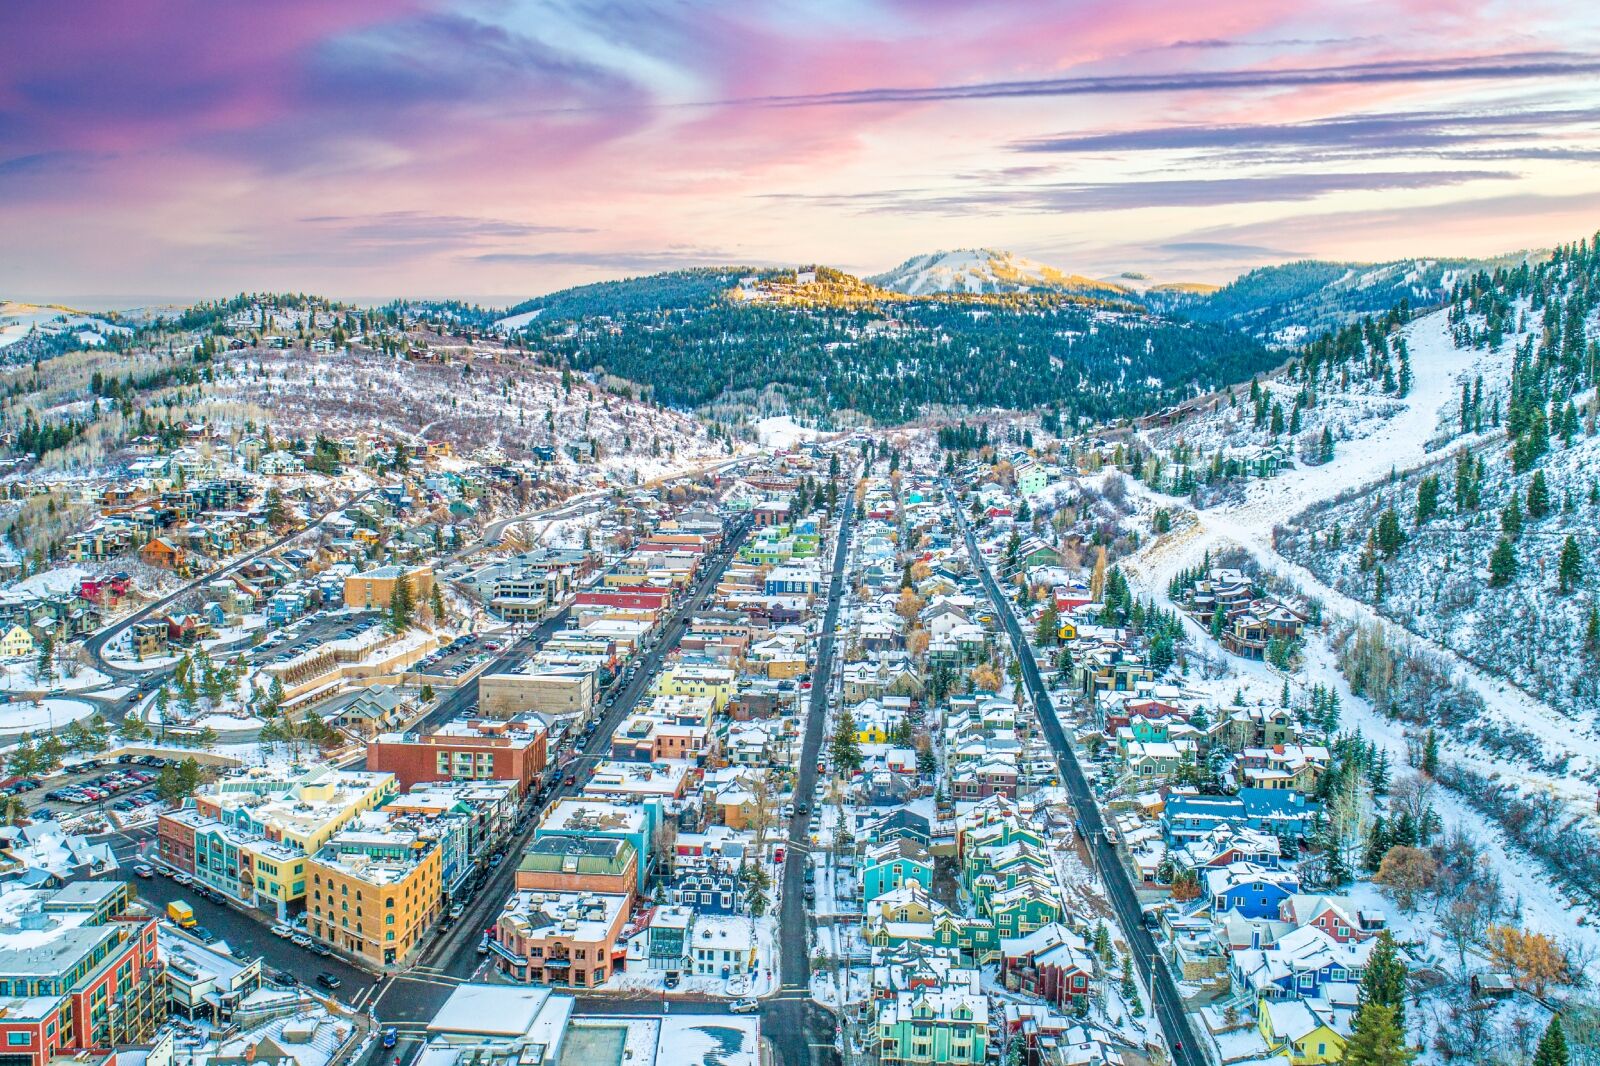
(660, 868)
(1248, 622)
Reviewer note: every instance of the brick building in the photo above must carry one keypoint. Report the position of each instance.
(514, 750)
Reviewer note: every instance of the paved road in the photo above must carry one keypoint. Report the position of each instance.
(1169, 1007)
(94, 646)
(452, 957)
(800, 1031)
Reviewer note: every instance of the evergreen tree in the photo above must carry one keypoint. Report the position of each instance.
(1390, 535)
(1325, 452)
(1378, 1040)
(401, 604)
(845, 748)
(1502, 564)
(1384, 982)
(1430, 754)
(1427, 498)
(1570, 570)
(1538, 496)
(1552, 1049)
(1591, 630)
(1511, 518)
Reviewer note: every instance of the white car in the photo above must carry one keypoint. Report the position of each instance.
(743, 1006)
(282, 930)
(300, 940)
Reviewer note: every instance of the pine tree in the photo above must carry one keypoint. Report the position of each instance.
(1511, 518)
(1552, 1049)
(1384, 982)
(1502, 564)
(1570, 570)
(1591, 630)
(1430, 754)
(1378, 1040)
(1427, 498)
(1325, 453)
(845, 748)
(401, 604)
(1390, 535)
(1538, 496)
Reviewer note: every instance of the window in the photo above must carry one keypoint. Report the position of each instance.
(19, 1039)
(388, 919)
(389, 902)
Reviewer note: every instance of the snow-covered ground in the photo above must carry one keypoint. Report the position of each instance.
(783, 432)
(1397, 444)
(47, 714)
(22, 676)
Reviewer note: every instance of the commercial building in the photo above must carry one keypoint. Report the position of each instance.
(554, 692)
(375, 889)
(561, 938)
(374, 589)
(480, 750)
(78, 971)
(249, 836)
(579, 864)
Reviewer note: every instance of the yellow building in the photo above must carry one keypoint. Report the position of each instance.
(253, 833)
(374, 589)
(17, 643)
(1305, 1035)
(713, 681)
(374, 893)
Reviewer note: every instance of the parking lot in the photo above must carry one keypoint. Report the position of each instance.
(459, 656)
(246, 936)
(311, 632)
(121, 786)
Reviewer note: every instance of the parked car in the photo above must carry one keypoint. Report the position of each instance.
(300, 940)
(327, 980)
(281, 930)
(143, 871)
(204, 935)
(743, 1006)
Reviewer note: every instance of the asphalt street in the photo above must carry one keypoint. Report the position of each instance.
(1119, 885)
(800, 1031)
(452, 957)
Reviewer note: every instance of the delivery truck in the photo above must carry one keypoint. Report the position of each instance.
(180, 913)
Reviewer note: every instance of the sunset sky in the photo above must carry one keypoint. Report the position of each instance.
(495, 149)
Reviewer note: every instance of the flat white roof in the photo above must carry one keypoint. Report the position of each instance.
(491, 1010)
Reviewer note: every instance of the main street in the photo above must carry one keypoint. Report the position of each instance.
(1119, 885)
(800, 1031)
(409, 997)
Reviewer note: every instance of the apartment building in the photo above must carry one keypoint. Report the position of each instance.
(375, 889)
(513, 749)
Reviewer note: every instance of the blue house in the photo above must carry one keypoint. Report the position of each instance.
(1250, 890)
(887, 866)
(1281, 812)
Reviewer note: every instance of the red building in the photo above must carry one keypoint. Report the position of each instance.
(480, 750)
(90, 969)
(1052, 963)
(633, 598)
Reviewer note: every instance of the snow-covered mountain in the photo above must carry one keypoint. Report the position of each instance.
(986, 270)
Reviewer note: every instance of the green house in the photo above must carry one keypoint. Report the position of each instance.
(933, 1026)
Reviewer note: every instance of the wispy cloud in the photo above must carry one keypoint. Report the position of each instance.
(419, 227)
(1088, 197)
(627, 260)
(1407, 131)
(1508, 67)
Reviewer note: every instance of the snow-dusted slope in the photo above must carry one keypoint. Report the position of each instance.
(985, 270)
(17, 320)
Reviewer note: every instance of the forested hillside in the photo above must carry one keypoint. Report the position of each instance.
(842, 348)
(1493, 550)
(1294, 300)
